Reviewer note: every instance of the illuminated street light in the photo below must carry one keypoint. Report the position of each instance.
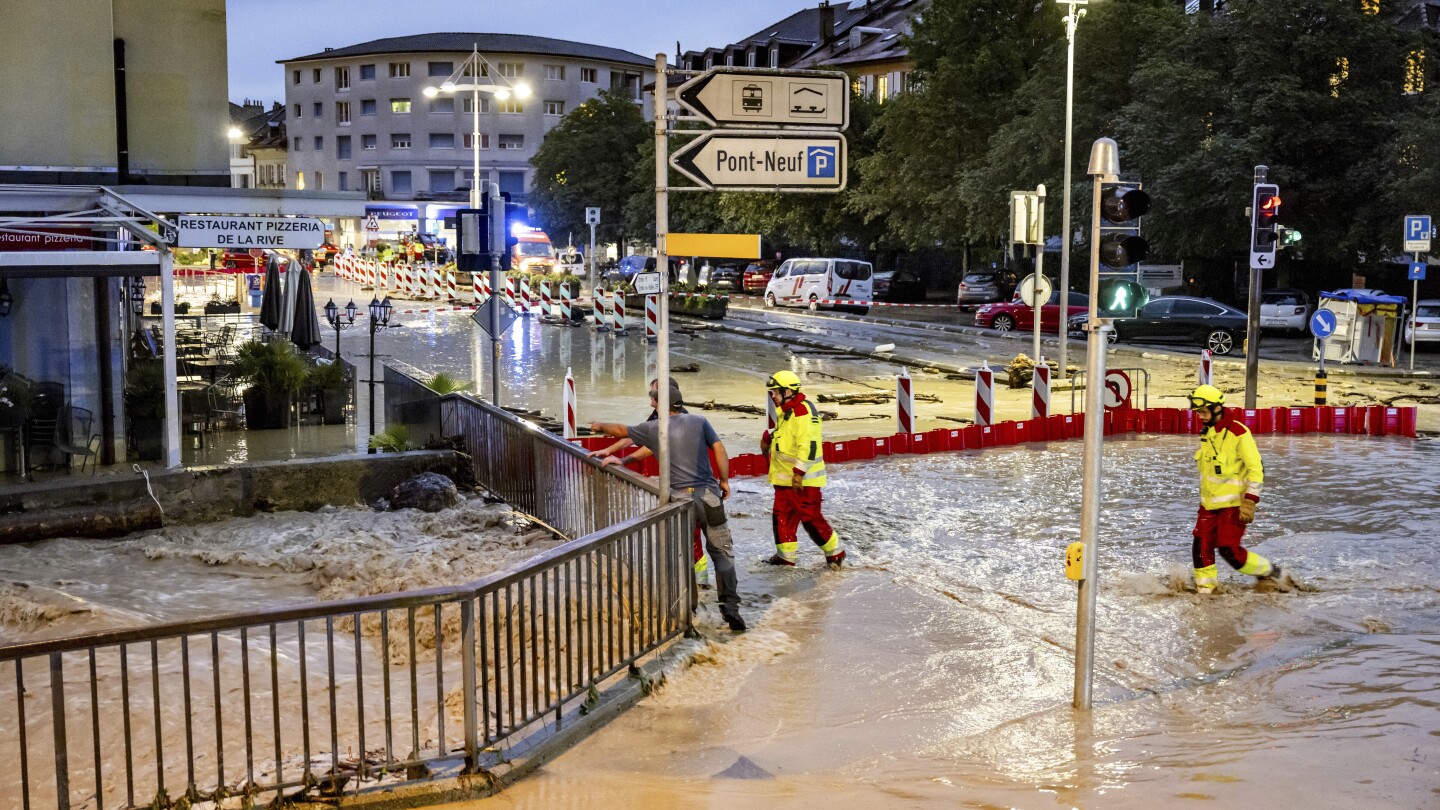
(465, 78)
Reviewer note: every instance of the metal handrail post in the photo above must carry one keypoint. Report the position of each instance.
(467, 684)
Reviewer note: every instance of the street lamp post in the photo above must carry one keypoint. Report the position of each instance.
(471, 69)
(340, 320)
(379, 319)
(1072, 20)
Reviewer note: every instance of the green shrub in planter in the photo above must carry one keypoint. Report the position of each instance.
(276, 374)
(332, 385)
(145, 405)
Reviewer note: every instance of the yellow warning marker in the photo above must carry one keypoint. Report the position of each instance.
(1075, 561)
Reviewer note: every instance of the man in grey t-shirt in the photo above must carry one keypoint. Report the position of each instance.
(691, 440)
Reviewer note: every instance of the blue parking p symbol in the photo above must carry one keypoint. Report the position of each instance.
(820, 161)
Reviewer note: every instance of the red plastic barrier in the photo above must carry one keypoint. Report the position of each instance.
(900, 444)
(882, 446)
(1407, 421)
(921, 443)
(956, 439)
(1005, 434)
(1383, 420)
(1311, 420)
(1339, 419)
(1260, 420)
(650, 467)
(1357, 420)
(987, 435)
(938, 440)
(1036, 430)
(1290, 420)
(1109, 424)
(836, 452)
(1124, 420)
(861, 449)
(1162, 420)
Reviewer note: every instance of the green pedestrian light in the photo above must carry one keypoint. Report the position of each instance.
(1121, 297)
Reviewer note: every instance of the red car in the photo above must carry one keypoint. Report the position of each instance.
(241, 261)
(756, 276)
(1016, 314)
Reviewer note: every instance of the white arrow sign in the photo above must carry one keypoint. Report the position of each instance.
(292, 233)
(755, 160)
(769, 98)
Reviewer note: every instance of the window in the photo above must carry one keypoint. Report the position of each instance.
(512, 106)
(589, 75)
(319, 143)
(512, 141)
(299, 110)
(399, 70)
(342, 147)
(1182, 306)
(730, 59)
(315, 75)
(440, 68)
(442, 105)
(367, 141)
(882, 88)
(367, 73)
(367, 106)
(442, 140)
(469, 107)
(511, 70)
(466, 175)
(1414, 73)
(372, 179)
(484, 140)
(442, 181)
(484, 70)
(295, 143)
(775, 57)
(343, 180)
(400, 182)
(319, 181)
(319, 109)
(294, 77)
(342, 78)
(342, 113)
(300, 181)
(400, 106)
(555, 73)
(400, 140)
(750, 59)
(554, 108)
(858, 271)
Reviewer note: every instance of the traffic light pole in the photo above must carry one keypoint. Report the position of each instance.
(1104, 168)
(497, 244)
(662, 265)
(1072, 20)
(1252, 312)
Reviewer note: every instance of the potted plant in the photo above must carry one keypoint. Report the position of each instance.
(276, 374)
(181, 307)
(215, 306)
(145, 405)
(332, 387)
(442, 384)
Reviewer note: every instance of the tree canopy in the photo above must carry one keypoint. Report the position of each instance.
(585, 161)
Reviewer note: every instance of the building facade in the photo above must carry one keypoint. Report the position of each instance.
(357, 118)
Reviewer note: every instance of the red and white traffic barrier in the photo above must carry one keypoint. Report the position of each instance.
(412, 288)
(905, 402)
(617, 312)
(508, 294)
(437, 282)
(565, 302)
(984, 395)
(382, 281)
(1206, 368)
(547, 306)
(598, 301)
(451, 286)
(1040, 382)
(477, 288)
(524, 297)
(652, 317)
(569, 406)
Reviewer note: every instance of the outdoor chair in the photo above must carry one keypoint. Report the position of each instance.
(73, 437)
(45, 407)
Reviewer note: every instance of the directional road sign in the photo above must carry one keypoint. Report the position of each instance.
(757, 160)
(1117, 390)
(727, 96)
(1417, 233)
(1417, 271)
(647, 283)
(1322, 323)
(485, 313)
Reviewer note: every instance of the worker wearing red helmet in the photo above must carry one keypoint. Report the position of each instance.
(797, 471)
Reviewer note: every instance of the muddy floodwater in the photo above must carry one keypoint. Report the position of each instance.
(936, 670)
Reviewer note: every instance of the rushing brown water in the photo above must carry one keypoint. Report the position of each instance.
(937, 670)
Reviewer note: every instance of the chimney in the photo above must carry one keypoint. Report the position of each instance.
(827, 22)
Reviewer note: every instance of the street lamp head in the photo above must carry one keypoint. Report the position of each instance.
(332, 312)
(502, 94)
(374, 309)
(522, 91)
(430, 92)
(385, 308)
(234, 133)
(1104, 157)
(350, 310)
(447, 86)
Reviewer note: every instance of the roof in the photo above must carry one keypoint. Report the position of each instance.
(487, 43)
(1363, 297)
(855, 47)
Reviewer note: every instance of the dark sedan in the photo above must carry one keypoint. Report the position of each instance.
(1208, 324)
(898, 286)
(725, 278)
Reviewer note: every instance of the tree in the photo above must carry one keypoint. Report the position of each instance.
(585, 161)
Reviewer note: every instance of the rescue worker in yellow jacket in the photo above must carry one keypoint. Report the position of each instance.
(1231, 476)
(797, 471)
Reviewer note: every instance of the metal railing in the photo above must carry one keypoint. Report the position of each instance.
(1078, 377)
(336, 696)
(409, 403)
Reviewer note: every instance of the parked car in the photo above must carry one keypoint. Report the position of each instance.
(756, 276)
(898, 286)
(1017, 314)
(1427, 322)
(1177, 318)
(807, 282)
(724, 278)
(985, 286)
(1284, 309)
(242, 261)
(625, 269)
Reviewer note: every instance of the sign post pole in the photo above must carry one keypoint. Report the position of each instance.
(1417, 241)
(1414, 305)
(1037, 306)
(1322, 326)
(662, 264)
(592, 218)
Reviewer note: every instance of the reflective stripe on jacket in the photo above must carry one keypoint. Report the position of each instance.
(796, 445)
(1229, 465)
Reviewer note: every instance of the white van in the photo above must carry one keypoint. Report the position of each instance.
(813, 282)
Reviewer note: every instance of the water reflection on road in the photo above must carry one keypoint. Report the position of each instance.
(938, 669)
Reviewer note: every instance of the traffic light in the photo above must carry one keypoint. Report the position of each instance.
(472, 248)
(1120, 297)
(516, 214)
(1289, 237)
(1264, 219)
(1121, 207)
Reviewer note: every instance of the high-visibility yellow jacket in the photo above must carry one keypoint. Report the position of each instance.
(1229, 465)
(796, 445)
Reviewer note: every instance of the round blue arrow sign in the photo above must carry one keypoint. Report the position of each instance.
(1322, 323)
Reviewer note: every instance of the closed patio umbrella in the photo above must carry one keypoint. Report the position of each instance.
(270, 297)
(305, 331)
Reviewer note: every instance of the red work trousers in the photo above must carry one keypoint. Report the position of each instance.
(1218, 530)
(795, 508)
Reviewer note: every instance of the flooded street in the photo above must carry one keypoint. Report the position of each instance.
(937, 670)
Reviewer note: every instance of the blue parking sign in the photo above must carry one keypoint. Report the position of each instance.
(1417, 271)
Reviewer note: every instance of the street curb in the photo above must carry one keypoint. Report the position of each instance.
(1119, 349)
